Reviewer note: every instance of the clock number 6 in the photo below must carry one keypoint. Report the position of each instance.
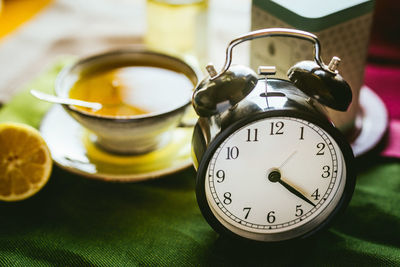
(271, 217)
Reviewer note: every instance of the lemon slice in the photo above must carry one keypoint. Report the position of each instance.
(25, 161)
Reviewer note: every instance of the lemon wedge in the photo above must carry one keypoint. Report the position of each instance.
(25, 161)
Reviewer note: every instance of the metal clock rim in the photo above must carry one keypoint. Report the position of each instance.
(345, 148)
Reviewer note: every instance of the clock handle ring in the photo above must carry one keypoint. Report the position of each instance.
(281, 32)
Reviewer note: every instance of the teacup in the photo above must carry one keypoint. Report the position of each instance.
(155, 106)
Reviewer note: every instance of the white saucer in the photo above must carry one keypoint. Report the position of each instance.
(374, 122)
(72, 150)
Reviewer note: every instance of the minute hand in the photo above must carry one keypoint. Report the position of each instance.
(275, 176)
(295, 192)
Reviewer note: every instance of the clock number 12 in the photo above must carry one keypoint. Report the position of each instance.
(276, 128)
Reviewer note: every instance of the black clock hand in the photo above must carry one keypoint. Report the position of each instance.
(275, 176)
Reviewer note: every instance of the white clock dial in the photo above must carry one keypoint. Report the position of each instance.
(280, 176)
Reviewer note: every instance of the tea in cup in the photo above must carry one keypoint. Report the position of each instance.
(144, 95)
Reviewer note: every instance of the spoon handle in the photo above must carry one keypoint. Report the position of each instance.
(65, 101)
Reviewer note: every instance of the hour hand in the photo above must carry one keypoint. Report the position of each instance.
(275, 176)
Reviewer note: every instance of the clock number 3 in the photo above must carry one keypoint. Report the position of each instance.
(327, 171)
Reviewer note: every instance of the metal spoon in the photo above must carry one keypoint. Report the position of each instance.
(65, 101)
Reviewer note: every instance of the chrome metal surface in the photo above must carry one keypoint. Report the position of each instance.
(211, 70)
(281, 32)
(333, 64)
(266, 70)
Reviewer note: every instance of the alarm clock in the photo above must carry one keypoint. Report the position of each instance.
(271, 166)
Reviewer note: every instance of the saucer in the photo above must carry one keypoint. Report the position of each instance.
(374, 122)
(72, 149)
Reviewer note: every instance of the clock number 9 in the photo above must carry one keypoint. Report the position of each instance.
(220, 175)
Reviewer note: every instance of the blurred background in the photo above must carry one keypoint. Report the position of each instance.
(36, 32)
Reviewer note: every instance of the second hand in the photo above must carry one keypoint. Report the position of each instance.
(287, 159)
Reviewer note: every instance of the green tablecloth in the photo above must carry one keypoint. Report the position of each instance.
(77, 221)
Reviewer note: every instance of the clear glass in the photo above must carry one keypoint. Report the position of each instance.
(178, 27)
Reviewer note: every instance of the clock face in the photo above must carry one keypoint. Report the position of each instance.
(275, 179)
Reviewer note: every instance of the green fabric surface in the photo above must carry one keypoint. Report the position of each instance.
(74, 221)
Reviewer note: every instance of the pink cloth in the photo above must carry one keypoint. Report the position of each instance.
(385, 81)
(383, 68)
